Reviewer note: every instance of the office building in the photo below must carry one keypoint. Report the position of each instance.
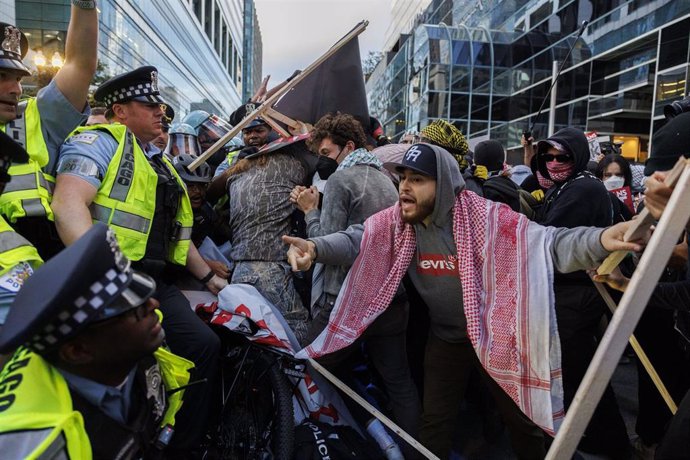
(487, 67)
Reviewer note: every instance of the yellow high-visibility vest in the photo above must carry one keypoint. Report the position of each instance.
(126, 199)
(36, 411)
(30, 191)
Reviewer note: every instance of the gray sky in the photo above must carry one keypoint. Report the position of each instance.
(296, 32)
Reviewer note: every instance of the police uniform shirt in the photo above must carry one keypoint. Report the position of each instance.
(112, 401)
(88, 154)
(58, 119)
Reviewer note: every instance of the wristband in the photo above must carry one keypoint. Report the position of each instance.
(85, 4)
(207, 278)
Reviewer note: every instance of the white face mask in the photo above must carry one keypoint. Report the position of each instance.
(614, 182)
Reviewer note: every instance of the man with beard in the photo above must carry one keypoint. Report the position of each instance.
(485, 273)
(113, 174)
(41, 124)
(89, 379)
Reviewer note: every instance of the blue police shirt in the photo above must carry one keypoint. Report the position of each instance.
(88, 154)
(58, 119)
(112, 401)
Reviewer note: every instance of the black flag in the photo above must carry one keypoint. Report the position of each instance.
(336, 85)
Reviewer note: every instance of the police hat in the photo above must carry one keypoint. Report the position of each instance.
(13, 48)
(168, 116)
(89, 281)
(138, 85)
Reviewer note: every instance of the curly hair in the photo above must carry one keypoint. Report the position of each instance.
(340, 128)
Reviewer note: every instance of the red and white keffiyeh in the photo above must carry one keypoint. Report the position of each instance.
(506, 272)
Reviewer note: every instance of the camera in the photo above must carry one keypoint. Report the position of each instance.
(675, 108)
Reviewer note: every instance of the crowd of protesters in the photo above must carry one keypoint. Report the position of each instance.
(436, 267)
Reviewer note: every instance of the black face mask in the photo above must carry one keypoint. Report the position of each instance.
(326, 166)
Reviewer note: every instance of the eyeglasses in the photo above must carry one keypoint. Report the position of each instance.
(548, 157)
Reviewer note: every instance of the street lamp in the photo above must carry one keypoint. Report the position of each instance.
(56, 61)
(40, 59)
(46, 69)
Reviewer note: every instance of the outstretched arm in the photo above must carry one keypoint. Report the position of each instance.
(582, 248)
(339, 248)
(74, 77)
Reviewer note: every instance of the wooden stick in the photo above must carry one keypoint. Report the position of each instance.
(644, 359)
(273, 113)
(642, 223)
(275, 126)
(373, 411)
(268, 103)
(624, 320)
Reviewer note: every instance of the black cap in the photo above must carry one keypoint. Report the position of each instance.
(13, 48)
(138, 85)
(89, 281)
(490, 154)
(419, 157)
(668, 144)
(168, 117)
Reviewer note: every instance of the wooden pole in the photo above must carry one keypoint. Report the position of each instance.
(624, 320)
(373, 411)
(268, 103)
(641, 355)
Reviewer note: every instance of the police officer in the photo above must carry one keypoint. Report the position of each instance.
(42, 123)
(18, 258)
(162, 140)
(90, 377)
(113, 174)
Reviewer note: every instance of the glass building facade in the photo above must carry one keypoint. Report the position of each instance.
(487, 67)
(195, 44)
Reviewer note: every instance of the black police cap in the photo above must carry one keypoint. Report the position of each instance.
(89, 281)
(138, 85)
(13, 48)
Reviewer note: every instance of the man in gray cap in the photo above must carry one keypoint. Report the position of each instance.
(42, 123)
(114, 174)
(89, 378)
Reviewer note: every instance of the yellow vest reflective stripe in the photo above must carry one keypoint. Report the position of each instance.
(30, 191)
(35, 396)
(36, 405)
(14, 248)
(126, 199)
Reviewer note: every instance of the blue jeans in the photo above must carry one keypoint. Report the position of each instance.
(274, 281)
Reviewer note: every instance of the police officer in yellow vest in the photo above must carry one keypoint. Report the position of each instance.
(113, 174)
(42, 123)
(89, 379)
(18, 258)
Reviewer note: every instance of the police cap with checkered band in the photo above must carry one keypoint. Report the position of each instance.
(13, 48)
(138, 85)
(89, 281)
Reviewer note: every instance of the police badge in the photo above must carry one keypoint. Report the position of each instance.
(155, 391)
(12, 41)
(154, 81)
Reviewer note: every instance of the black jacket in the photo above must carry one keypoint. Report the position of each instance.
(580, 200)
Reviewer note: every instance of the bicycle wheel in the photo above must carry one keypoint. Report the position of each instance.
(258, 418)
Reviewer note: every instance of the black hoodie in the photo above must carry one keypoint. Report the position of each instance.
(581, 199)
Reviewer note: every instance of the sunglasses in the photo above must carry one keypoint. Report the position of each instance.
(548, 157)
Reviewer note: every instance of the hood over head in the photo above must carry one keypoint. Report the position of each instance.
(449, 183)
(569, 140)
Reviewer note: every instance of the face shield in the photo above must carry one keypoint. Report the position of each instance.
(210, 130)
